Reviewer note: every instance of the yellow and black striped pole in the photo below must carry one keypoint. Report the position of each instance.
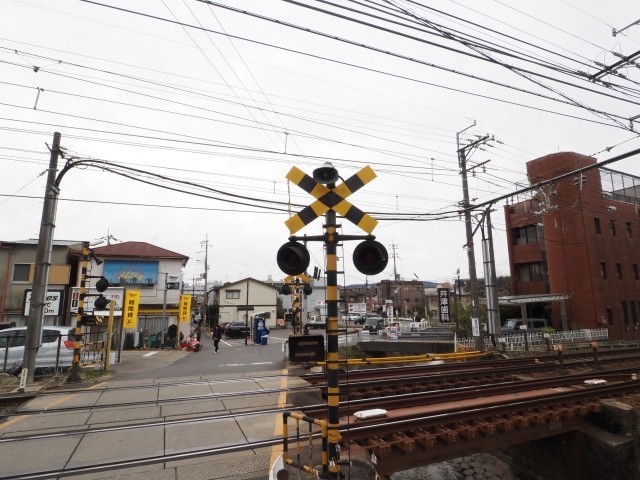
(333, 386)
(74, 375)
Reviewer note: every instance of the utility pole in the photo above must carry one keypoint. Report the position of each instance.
(473, 278)
(246, 319)
(43, 263)
(395, 280)
(164, 315)
(493, 306)
(205, 301)
(459, 295)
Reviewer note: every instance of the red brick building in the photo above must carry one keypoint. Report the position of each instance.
(579, 236)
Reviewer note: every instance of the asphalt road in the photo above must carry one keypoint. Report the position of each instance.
(233, 357)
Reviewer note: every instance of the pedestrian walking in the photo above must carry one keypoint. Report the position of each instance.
(197, 331)
(217, 335)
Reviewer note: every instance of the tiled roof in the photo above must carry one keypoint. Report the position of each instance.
(137, 250)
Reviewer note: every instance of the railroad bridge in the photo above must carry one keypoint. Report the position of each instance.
(556, 427)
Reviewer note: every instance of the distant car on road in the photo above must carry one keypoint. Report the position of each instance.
(56, 349)
(316, 322)
(236, 330)
(373, 324)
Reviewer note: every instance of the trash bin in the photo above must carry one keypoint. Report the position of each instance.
(264, 339)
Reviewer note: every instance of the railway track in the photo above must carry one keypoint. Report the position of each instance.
(369, 383)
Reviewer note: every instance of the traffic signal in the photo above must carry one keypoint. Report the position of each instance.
(285, 290)
(102, 284)
(307, 289)
(101, 303)
(293, 258)
(370, 257)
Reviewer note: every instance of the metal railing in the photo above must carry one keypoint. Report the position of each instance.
(53, 355)
(302, 439)
(536, 340)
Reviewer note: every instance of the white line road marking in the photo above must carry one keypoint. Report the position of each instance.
(243, 364)
(149, 354)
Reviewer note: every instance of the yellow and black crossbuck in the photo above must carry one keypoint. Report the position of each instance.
(331, 199)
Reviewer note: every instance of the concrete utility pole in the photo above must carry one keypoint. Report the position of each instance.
(493, 307)
(246, 319)
(395, 281)
(462, 162)
(205, 301)
(43, 264)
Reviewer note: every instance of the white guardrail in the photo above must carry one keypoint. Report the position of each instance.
(535, 340)
(512, 342)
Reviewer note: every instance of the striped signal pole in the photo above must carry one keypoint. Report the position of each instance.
(74, 375)
(333, 386)
(370, 257)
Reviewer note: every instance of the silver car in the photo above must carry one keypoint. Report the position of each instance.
(56, 349)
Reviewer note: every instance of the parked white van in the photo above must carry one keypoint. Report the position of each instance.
(532, 324)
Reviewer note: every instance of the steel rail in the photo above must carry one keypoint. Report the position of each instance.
(107, 466)
(185, 398)
(452, 413)
(434, 374)
(416, 399)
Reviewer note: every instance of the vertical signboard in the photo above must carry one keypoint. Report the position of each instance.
(444, 314)
(130, 314)
(184, 315)
(392, 333)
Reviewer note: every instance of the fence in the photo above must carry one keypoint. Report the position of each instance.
(536, 340)
(55, 352)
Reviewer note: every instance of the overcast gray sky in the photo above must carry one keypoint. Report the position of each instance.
(222, 103)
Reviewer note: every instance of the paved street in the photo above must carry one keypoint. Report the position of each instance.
(195, 407)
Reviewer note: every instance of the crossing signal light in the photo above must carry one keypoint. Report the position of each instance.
(370, 257)
(307, 289)
(285, 290)
(102, 284)
(293, 258)
(101, 303)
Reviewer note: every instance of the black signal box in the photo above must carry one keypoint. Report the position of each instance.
(306, 348)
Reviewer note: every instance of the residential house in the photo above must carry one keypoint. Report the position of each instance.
(247, 296)
(17, 266)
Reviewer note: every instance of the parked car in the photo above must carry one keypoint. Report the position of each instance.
(236, 329)
(56, 349)
(316, 322)
(359, 319)
(373, 324)
(535, 324)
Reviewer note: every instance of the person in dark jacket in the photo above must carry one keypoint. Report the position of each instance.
(217, 335)
(197, 330)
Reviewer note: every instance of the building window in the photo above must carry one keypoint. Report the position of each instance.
(525, 235)
(629, 231)
(634, 314)
(635, 271)
(232, 294)
(603, 270)
(609, 316)
(624, 313)
(596, 222)
(530, 272)
(612, 225)
(21, 272)
(619, 271)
